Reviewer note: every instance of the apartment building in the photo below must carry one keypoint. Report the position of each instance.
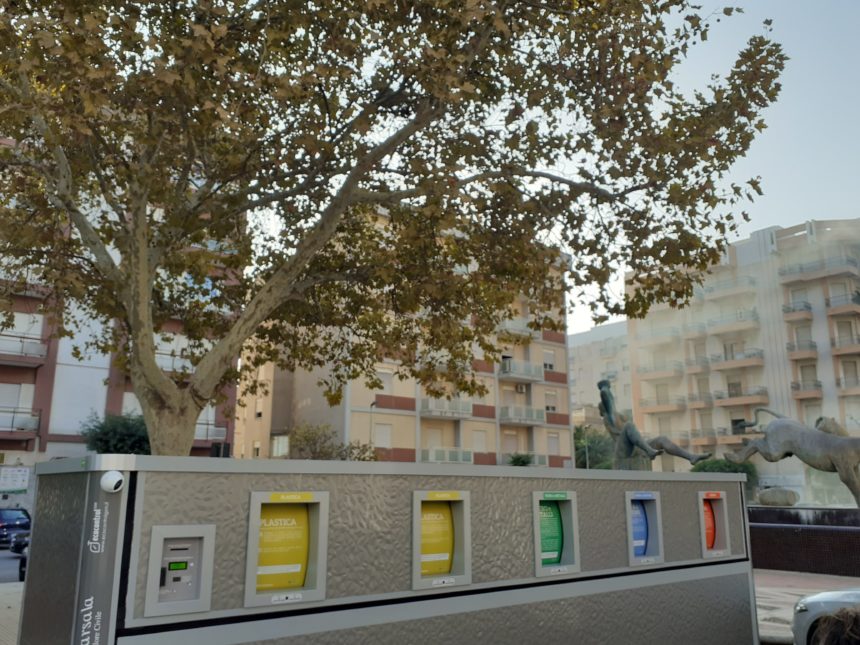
(48, 390)
(775, 325)
(598, 354)
(525, 410)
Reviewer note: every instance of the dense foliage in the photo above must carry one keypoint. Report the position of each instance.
(724, 466)
(593, 447)
(117, 434)
(329, 182)
(309, 441)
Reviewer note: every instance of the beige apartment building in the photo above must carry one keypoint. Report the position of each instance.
(525, 410)
(775, 325)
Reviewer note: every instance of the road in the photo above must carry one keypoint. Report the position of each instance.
(8, 566)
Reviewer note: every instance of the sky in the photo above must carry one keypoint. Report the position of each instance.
(809, 155)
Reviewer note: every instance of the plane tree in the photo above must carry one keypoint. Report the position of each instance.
(331, 181)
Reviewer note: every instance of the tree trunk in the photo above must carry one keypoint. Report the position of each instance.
(170, 427)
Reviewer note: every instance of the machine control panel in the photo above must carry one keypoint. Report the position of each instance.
(180, 569)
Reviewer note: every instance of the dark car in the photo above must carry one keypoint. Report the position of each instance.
(19, 542)
(12, 520)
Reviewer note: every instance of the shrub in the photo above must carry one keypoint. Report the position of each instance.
(123, 434)
(309, 441)
(519, 459)
(723, 466)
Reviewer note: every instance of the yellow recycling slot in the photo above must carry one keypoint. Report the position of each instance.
(282, 559)
(437, 538)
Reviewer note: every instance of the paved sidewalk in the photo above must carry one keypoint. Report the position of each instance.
(776, 593)
(10, 611)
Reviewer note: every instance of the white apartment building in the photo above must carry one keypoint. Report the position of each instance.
(599, 353)
(776, 325)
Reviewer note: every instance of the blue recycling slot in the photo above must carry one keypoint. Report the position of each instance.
(639, 523)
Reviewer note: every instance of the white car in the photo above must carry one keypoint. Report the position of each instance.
(809, 609)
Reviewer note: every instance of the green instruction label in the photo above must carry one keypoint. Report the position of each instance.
(555, 495)
(551, 533)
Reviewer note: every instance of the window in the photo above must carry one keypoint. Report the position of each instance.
(509, 442)
(662, 393)
(803, 333)
(844, 330)
(849, 373)
(280, 445)
(798, 296)
(550, 401)
(432, 437)
(664, 425)
(735, 388)
(479, 441)
(811, 412)
(9, 394)
(552, 443)
(808, 373)
(703, 385)
(626, 391)
(730, 350)
(381, 435)
(387, 379)
(548, 359)
(258, 407)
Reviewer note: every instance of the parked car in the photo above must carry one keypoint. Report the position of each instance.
(12, 520)
(19, 542)
(810, 609)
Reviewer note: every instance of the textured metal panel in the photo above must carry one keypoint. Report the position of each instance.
(370, 524)
(709, 612)
(54, 558)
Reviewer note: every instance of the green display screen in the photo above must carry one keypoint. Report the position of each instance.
(177, 566)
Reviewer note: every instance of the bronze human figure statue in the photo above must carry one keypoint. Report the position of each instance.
(822, 447)
(628, 439)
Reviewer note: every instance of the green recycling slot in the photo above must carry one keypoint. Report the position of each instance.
(551, 533)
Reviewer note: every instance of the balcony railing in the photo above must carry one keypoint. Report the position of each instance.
(844, 299)
(662, 366)
(698, 361)
(673, 401)
(19, 419)
(818, 265)
(744, 315)
(522, 414)
(805, 386)
(537, 459)
(517, 327)
(172, 363)
(455, 408)
(608, 351)
(22, 345)
(802, 346)
(446, 455)
(521, 369)
(666, 333)
(204, 431)
(694, 329)
(730, 283)
(705, 397)
(845, 341)
(609, 375)
(738, 356)
(734, 394)
(800, 305)
(848, 381)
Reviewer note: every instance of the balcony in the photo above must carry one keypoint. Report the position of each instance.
(796, 311)
(609, 375)
(661, 370)
(656, 337)
(658, 406)
(520, 371)
(608, 351)
(446, 455)
(806, 390)
(522, 415)
(205, 431)
(729, 288)
(848, 386)
(694, 330)
(446, 408)
(843, 345)
(518, 327)
(19, 419)
(741, 320)
(170, 362)
(751, 396)
(698, 365)
(22, 351)
(846, 303)
(802, 349)
(537, 459)
(747, 358)
(700, 401)
(818, 269)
